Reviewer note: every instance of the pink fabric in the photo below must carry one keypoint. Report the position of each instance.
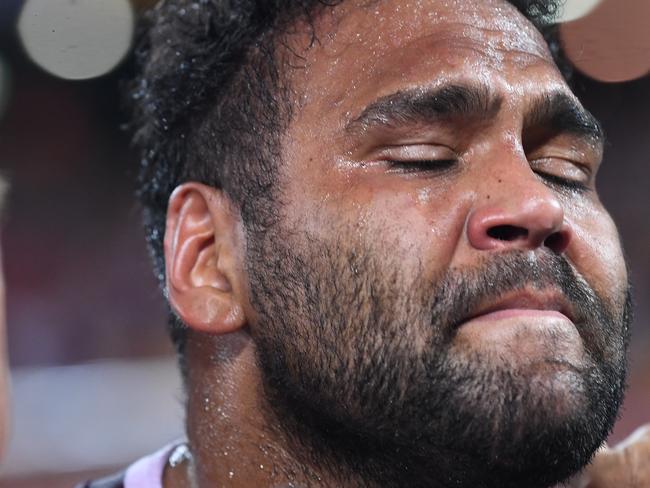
(148, 471)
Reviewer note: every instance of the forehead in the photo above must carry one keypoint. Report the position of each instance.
(365, 50)
(385, 24)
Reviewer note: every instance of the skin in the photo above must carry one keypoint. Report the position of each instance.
(334, 173)
(624, 465)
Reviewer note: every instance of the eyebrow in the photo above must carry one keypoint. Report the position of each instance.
(555, 111)
(425, 106)
(560, 113)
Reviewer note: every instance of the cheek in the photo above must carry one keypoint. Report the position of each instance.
(420, 226)
(418, 223)
(597, 252)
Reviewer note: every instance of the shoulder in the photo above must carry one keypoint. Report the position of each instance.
(114, 481)
(147, 472)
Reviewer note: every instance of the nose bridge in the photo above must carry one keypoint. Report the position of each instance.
(515, 209)
(514, 186)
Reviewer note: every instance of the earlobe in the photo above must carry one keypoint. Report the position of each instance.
(200, 255)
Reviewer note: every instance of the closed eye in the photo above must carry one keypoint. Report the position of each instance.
(565, 184)
(421, 165)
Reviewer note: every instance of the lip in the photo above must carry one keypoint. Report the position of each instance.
(525, 303)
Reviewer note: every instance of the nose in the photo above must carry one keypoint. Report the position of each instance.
(524, 220)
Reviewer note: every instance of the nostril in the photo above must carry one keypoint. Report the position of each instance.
(507, 233)
(557, 242)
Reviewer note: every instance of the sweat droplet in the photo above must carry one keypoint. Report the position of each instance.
(424, 195)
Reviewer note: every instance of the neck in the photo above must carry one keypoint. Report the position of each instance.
(232, 437)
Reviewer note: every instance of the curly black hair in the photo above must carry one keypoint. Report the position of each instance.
(210, 103)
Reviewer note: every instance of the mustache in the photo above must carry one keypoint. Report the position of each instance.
(462, 291)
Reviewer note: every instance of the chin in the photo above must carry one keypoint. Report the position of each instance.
(551, 431)
(533, 425)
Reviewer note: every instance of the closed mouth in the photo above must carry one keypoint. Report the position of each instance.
(523, 302)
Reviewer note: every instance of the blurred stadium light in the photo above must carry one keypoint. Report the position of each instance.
(76, 39)
(612, 42)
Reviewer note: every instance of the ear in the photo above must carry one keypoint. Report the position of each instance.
(202, 249)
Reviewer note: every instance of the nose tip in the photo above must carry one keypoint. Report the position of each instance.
(529, 225)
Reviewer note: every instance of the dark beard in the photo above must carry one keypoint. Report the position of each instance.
(364, 379)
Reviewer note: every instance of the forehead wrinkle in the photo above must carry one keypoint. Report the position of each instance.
(499, 30)
(523, 39)
(476, 19)
(337, 29)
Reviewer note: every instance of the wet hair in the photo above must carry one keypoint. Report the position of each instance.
(210, 103)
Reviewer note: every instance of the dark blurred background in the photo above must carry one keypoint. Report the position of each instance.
(94, 383)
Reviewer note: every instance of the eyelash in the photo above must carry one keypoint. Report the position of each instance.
(441, 165)
(422, 166)
(563, 183)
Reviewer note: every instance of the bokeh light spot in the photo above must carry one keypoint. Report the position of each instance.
(612, 43)
(76, 39)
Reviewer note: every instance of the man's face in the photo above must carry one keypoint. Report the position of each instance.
(443, 292)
